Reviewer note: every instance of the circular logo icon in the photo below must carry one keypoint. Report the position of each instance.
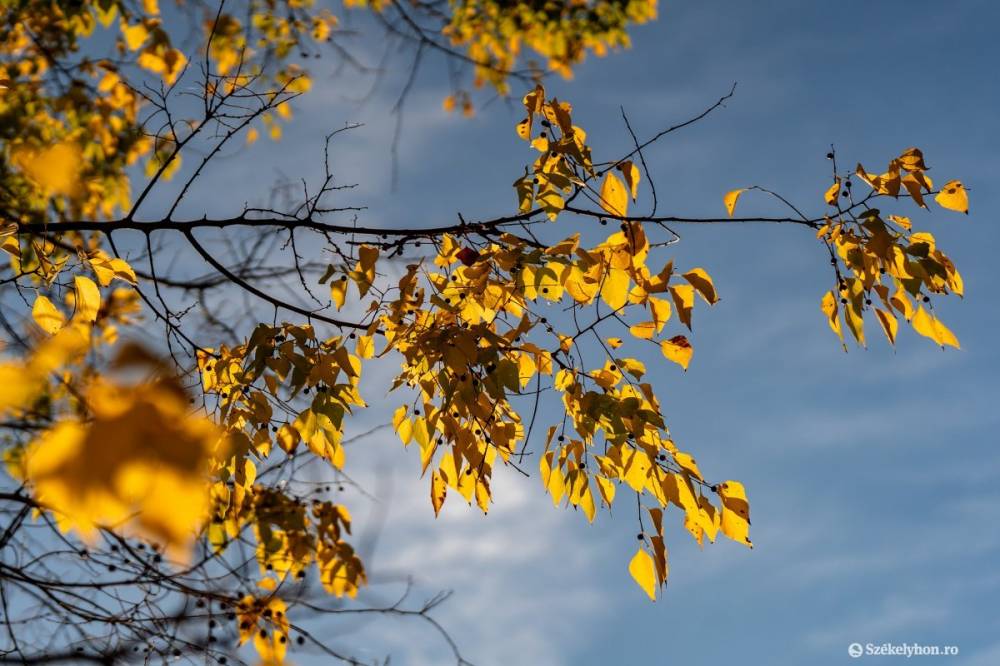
(855, 650)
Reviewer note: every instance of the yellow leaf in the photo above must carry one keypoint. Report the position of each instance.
(365, 347)
(644, 572)
(829, 308)
(660, 310)
(683, 296)
(140, 463)
(151, 6)
(614, 289)
(701, 281)
(730, 200)
(614, 198)
(88, 298)
(912, 160)
(252, 136)
(439, 490)
(47, 316)
(338, 291)
(953, 196)
(735, 512)
(644, 331)
(831, 194)
(135, 35)
(678, 350)
(889, 324)
(688, 464)
(56, 168)
(931, 327)
(631, 174)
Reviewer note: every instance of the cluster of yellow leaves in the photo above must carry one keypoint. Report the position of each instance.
(889, 269)
(564, 157)
(494, 33)
(265, 619)
(462, 328)
(274, 366)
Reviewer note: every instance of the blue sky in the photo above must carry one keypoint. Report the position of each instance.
(872, 476)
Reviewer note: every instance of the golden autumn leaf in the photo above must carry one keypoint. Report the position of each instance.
(643, 571)
(630, 172)
(338, 291)
(831, 195)
(140, 465)
(889, 324)
(931, 327)
(88, 299)
(912, 160)
(683, 296)
(47, 316)
(829, 308)
(730, 199)
(614, 197)
(953, 196)
(678, 350)
(134, 35)
(735, 512)
(702, 282)
(56, 168)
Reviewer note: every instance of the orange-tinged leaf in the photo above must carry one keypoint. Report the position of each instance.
(678, 350)
(643, 571)
(730, 200)
(953, 196)
(614, 197)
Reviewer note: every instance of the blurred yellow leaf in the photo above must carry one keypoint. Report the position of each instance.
(56, 168)
(140, 464)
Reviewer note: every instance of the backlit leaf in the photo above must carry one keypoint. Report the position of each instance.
(643, 571)
(614, 197)
(953, 196)
(730, 200)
